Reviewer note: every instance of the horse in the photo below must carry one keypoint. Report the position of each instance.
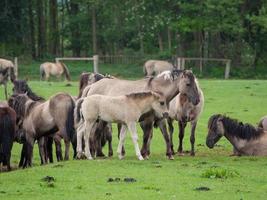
(55, 69)
(245, 138)
(263, 123)
(6, 70)
(7, 133)
(168, 84)
(126, 109)
(41, 118)
(155, 67)
(183, 111)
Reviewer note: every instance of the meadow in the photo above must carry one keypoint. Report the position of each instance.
(211, 174)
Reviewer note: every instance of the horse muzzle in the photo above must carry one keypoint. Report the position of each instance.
(210, 143)
(165, 115)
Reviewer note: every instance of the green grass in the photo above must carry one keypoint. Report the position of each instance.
(156, 178)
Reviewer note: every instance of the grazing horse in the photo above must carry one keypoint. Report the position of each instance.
(6, 69)
(183, 111)
(7, 133)
(155, 67)
(126, 109)
(168, 83)
(43, 118)
(55, 69)
(245, 138)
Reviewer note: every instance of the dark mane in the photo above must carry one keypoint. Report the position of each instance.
(21, 87)
(17, 102)
(237, 128)
(139, 95)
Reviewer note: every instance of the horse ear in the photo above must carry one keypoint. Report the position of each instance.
(156, 94)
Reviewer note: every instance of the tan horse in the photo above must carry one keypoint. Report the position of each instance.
(54, 69)
(6, 70)
(183, 111)
(168, 83)
(245, 138)
(155, 67)
(125, 109)
(41, 118)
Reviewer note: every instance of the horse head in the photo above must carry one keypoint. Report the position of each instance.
(215, 130)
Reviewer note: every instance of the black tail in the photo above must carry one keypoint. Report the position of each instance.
(12, 74)
(66, 71)
(42, 73)
(7, 127)
(70, 127)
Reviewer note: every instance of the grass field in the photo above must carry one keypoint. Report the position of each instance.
(157, 178)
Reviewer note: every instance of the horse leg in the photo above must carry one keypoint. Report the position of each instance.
(169, 120)
(192, 137)
(29, 149)
(42, 153)
(119, 131)
(132, 128)
(80, 133)
(88, 128)
(163, 128)
(109, 139)
(49, 149)
(147, 128)
(23, 155)
(67, 148)
(57, 139)
(182, 126)
(122, 138)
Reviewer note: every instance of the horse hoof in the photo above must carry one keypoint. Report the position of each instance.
(140, 158)
(146, 157)
(170, 157)
(121, 157)
(180, 153)
(89, 157)
(110, 154)
(192, 154)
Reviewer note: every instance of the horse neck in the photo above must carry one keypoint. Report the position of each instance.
(144, 104)
(168, 88)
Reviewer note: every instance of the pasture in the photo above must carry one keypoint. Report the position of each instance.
(211, 174)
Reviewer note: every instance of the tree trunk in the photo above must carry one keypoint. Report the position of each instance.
(94, 30)
(54, 35)
(160, 42)
(62, 27)
(169, 39)
(75, 30)
(32, 30)
(41, 29)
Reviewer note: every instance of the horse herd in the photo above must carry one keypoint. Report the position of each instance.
(85, 121)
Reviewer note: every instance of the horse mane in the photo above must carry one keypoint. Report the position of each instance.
(167, 75)
(28, 90)
(139, 95)
(238, 129)
(66, 71)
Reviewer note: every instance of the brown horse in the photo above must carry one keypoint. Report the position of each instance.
(6, 70)
(245, 138)
(168, 84)
(183, 111)
(54, 69)
(43, 118)
(155, 67)
(7, 133)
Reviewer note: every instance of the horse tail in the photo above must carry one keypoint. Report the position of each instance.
(66, 71)
(78, 114)
(84, 77)
(12, 74)
(145, 70)
(7, 127)
(42, 72)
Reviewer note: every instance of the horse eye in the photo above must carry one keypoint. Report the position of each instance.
(161, 103)
(188, 84)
